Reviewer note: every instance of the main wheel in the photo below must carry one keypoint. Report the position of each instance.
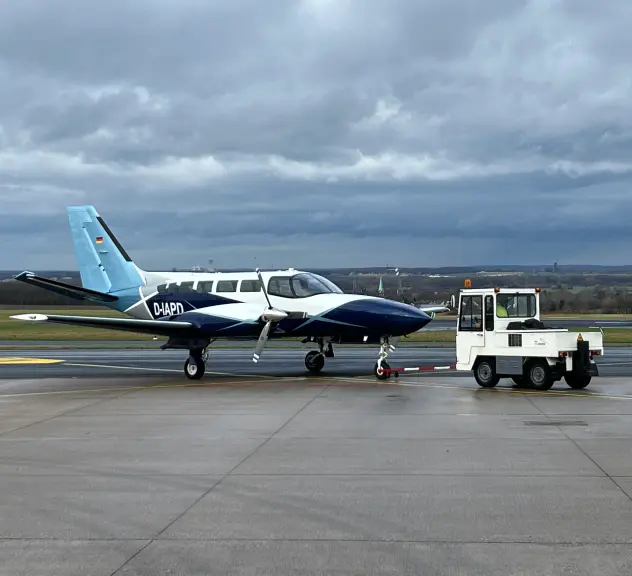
(539, 374)
(194, 368)
(379, 372)
(577, 381)
(484, 374)
(314, 361)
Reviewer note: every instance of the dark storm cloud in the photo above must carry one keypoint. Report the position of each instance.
(419, 132)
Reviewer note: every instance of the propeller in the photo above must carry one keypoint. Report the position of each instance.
(270, 316)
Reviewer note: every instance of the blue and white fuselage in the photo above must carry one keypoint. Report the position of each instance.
(194, 309)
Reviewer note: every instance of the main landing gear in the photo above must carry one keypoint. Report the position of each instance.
(195, 364)
(315, 359)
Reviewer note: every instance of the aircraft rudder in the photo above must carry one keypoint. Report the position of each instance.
(104, 264)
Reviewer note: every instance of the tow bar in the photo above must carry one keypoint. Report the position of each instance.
(388, 372)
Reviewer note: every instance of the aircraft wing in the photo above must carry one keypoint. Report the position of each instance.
(154, 327)
(433, 309)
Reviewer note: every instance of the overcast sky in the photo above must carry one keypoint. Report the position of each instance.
(313, 133)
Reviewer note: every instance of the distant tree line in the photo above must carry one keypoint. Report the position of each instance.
(560, 293)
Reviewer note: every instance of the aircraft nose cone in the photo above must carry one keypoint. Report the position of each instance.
(380, 316)
(408, 318)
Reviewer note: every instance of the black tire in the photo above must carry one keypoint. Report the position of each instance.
(577, 381)
(380, 374)
(539, 374)
(485, 373)
(194, 368)
(314, 361)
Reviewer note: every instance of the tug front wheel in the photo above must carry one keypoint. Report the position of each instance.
(485, 374)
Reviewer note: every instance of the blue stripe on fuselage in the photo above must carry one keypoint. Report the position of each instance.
(353, 320)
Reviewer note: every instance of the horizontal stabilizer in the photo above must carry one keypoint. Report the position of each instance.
(155, 327)
(64, 289)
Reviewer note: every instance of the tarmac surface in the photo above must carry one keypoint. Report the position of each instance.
(284, 362)
(113, 463)
(450, 323)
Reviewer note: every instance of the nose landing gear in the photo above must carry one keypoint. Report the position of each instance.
(381, 366)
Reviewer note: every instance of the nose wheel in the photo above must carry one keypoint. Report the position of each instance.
(379, 370)
(381, 365)
(315, 361)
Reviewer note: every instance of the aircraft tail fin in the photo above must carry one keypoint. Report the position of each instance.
(104, 265)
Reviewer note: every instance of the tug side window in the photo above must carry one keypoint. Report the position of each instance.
(471, 314)
(489, 313)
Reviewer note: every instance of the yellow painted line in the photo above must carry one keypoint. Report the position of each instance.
(17, 360)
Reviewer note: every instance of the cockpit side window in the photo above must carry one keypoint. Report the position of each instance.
(300, 286)
(280, 286)
(305, 285)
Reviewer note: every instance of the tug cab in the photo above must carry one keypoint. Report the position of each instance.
(500, 335)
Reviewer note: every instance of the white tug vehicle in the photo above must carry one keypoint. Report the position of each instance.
(500, 335)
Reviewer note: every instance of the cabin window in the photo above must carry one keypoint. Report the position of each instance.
(205, 287)
(162, 288)
(471, 314)
(226, 286)
(515, 305)
(250, 286)
(186, 287)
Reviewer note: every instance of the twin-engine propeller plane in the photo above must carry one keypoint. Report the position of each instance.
(192, 310)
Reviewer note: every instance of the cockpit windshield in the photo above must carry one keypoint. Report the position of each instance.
(301, 286)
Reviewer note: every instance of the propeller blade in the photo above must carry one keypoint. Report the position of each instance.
(263, 338)
(263, 287)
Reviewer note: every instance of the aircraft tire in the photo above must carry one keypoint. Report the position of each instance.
(194, 368)
(380, 374)
(314, 361)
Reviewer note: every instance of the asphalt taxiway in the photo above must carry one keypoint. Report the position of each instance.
(274, 362)
(450, 323)
(108, 467)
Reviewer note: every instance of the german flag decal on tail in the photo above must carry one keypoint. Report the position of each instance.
(99, 239)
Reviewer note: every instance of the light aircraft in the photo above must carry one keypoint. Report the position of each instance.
(192, 310)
